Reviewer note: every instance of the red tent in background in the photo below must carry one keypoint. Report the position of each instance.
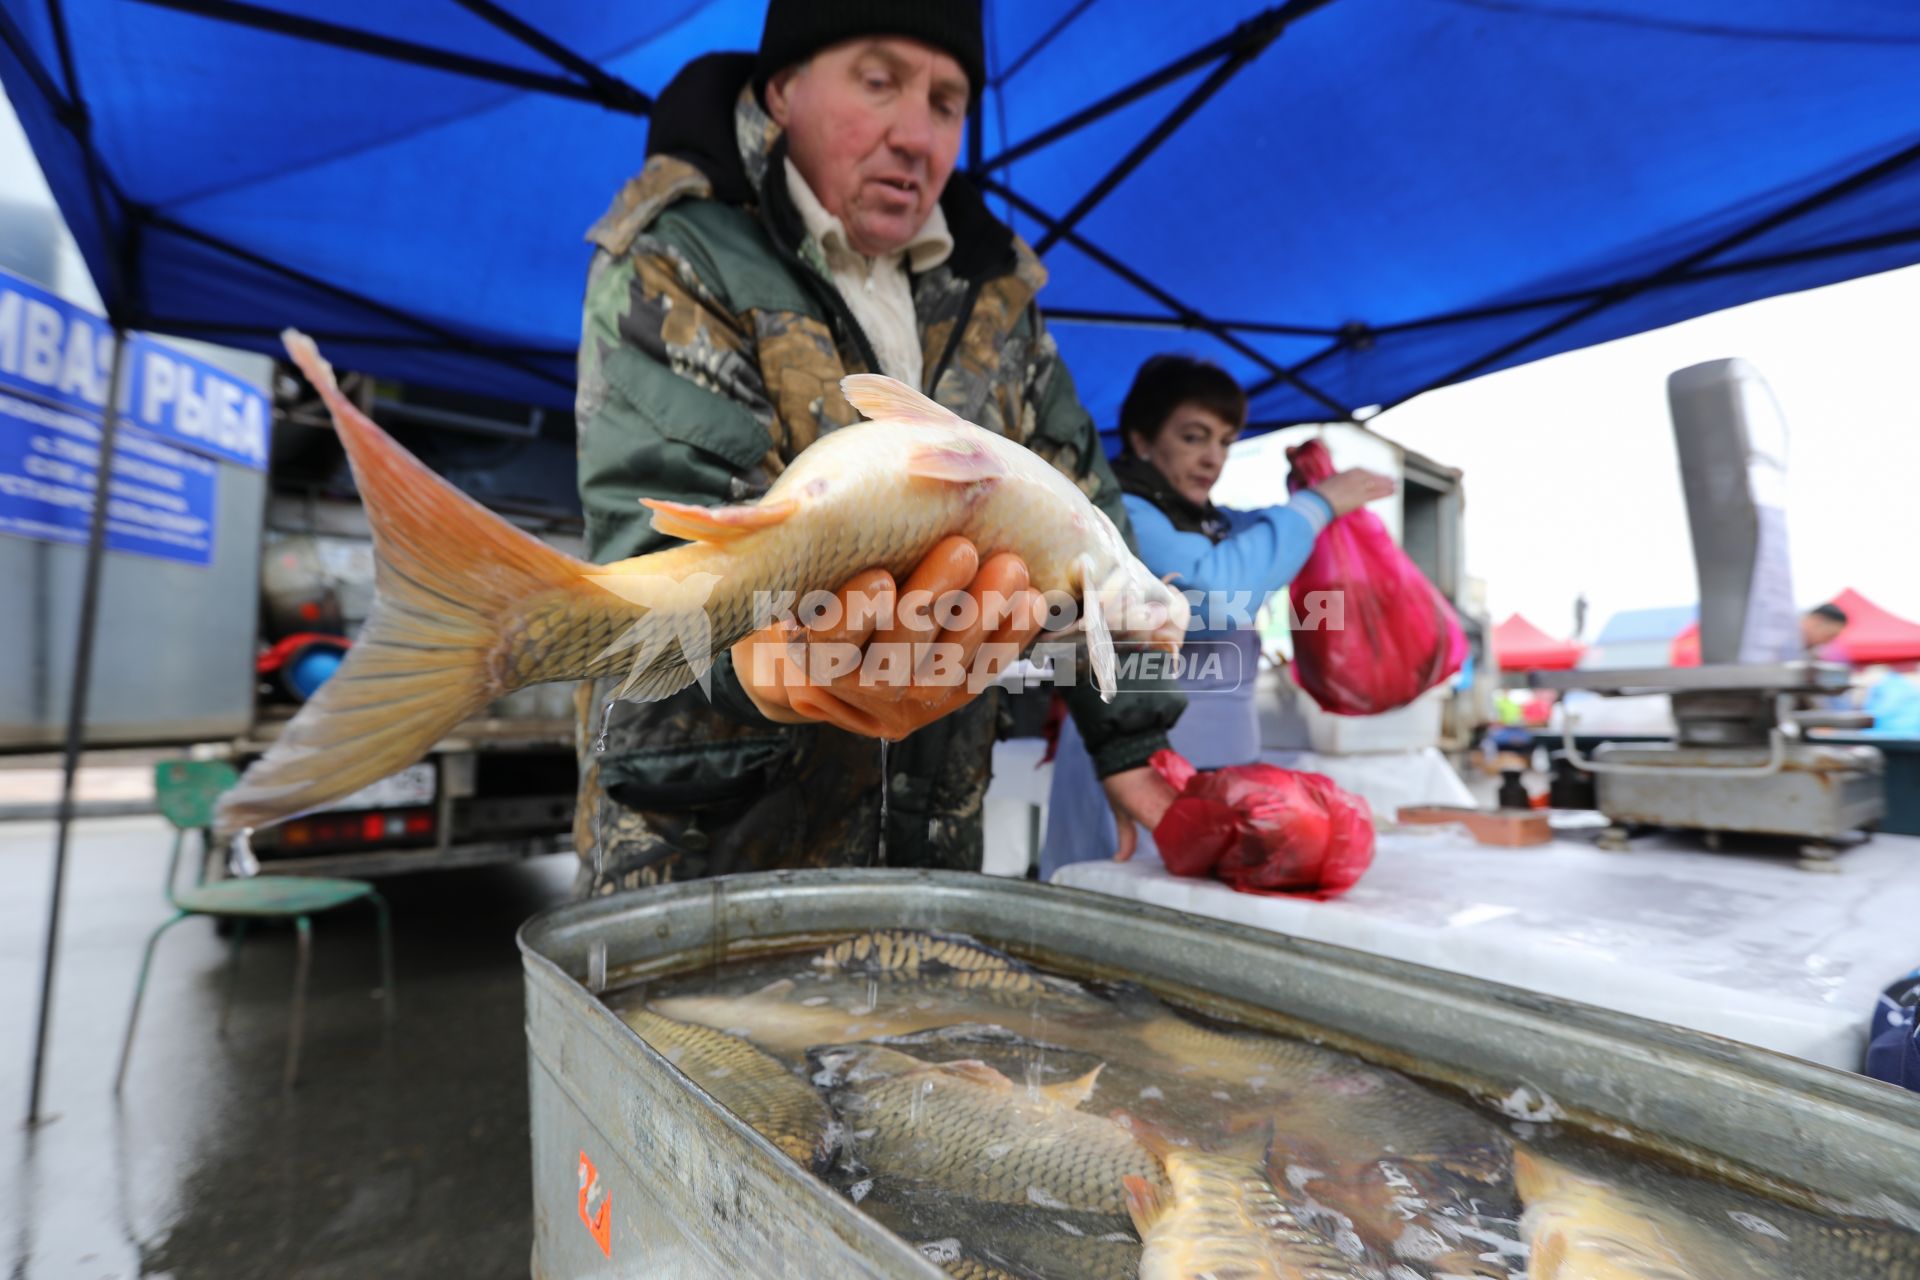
(1873, 634)
(1685, 650)
(1518, 645)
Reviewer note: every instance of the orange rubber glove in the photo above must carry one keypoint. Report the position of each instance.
(885, 683)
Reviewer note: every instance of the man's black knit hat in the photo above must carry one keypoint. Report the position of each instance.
(798, 29)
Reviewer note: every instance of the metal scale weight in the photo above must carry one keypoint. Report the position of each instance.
(1741, 760)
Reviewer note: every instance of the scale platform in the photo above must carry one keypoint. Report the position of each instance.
(1740, 761)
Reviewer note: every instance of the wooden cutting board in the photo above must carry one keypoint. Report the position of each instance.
(1508, 828)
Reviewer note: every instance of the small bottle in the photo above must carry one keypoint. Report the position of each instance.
(1513, 792)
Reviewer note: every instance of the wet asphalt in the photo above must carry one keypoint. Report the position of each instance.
(400, 1153)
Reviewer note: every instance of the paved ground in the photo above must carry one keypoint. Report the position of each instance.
(401, 1154)
(107, 785)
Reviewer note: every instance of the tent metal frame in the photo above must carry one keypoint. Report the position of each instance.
(1224, 57)
(600, 88)
(581, 79)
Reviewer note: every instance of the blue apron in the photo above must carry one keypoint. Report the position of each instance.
(1219, 727)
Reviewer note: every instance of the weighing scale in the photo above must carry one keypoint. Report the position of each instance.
(1741, 760)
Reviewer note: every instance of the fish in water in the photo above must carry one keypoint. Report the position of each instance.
(749, 1083)
(1234, 1057)
(1581, 1225)
(939, 961)
(778, 1022)
(469, 608)
(971, 1129)
(908, 953)
(973, 1237)
(1220, 1216)
(963, 1267)
(1416, 1176)
(1422, 1216)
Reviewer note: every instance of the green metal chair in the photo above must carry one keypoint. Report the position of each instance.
(186, 791)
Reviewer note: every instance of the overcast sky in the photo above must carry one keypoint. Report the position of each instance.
(1572, 483)
(1571, 479)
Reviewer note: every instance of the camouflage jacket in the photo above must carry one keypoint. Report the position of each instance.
(712, 348)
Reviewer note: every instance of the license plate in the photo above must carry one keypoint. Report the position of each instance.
(413, 785)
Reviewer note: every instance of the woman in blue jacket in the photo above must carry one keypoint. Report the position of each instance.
(1176, 423)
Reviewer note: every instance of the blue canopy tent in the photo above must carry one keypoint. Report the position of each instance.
(1344, 202)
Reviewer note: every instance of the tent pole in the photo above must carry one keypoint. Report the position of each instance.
(77, 711)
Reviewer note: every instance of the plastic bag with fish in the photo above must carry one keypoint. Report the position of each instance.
(1263, 829)
(1397, 637)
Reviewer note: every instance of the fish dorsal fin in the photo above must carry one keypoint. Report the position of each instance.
(1144, 1203)
(964, 462)
(1072, 1093)
(889, 399)
(715, 524)
(976, 1071)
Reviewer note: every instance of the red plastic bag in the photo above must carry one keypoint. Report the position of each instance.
(1263, 829)
(1397, 635)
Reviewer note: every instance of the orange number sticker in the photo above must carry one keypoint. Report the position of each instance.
(600, 1222)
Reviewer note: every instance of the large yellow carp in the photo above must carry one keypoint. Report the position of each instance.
(1218, 1217)
(469, 608)
(967, 1127)
(749, 1083)
(1588, 1221)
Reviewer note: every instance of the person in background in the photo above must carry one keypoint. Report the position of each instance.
(1176, 425)
(1820, 626)
(1893, 700)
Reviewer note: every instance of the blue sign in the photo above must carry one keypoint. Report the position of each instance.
(160, 502)
(51, 350)
(194, 404)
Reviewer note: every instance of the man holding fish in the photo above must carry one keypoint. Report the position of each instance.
(798, 220)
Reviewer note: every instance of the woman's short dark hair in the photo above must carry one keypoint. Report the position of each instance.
(1166, 382)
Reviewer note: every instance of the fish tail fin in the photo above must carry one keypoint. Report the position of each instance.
(451, 578)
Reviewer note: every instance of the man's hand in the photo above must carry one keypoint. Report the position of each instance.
(848, 670)
(1352, 489)
(1137, 795)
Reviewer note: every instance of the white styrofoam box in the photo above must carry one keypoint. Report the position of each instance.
(1409, 728)
(1283, 726)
